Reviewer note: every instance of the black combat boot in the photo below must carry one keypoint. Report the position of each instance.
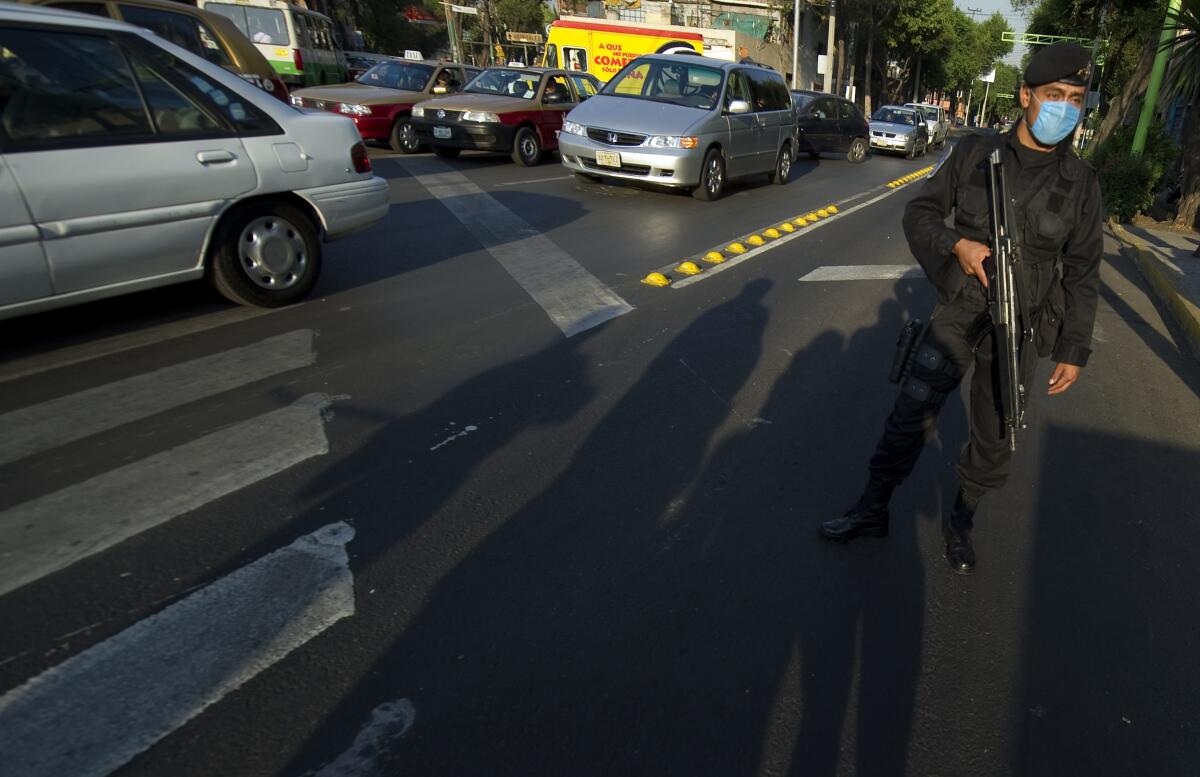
(868, 517)
(960, 553)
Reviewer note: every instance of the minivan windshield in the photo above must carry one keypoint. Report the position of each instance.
(678, 83)
(896, 116)
(410, 76)
(499, 80)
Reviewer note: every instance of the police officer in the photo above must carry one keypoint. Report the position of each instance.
(1056, 207)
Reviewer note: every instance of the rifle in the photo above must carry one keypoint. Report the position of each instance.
(1003, 301)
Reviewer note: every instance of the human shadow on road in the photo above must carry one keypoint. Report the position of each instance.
(1110, 671)
(529, 655)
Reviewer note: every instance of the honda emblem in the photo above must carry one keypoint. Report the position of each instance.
(612, 138)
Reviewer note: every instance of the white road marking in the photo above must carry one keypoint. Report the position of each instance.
(533, 180)
(465, 431)
(50, 533)
(94, 712)
(388, 723)
(734, 262)
(865, 272)
(75, 354)
(59, 421)
(573, 298)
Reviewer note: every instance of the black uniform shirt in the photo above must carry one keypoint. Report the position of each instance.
(1066, 232)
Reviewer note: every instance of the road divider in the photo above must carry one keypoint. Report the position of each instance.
(913, 176)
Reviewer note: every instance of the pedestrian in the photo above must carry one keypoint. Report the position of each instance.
(1056, 207)
(744, 56)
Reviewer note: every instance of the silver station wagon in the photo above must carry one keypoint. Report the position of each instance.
(683, 121)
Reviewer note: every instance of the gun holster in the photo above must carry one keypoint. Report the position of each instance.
(906, 349)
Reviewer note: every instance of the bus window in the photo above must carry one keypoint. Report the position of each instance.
(576, 59)
(551, 56)
(261, 25)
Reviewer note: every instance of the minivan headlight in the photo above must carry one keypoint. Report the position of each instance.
(354, 110)
(672, 141)
(418, 112)
(574, 128)
(483, 116)
(297, 100)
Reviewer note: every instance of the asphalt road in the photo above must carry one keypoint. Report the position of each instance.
(485, 504)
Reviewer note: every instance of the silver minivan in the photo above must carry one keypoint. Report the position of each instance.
(683, 121)
(127, 163)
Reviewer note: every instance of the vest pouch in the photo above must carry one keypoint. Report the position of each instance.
(972, 208)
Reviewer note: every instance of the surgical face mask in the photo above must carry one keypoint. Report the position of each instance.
(1055, 121)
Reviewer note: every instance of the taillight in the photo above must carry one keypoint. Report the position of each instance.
(358, 155)
(280, 90)
(298, 60)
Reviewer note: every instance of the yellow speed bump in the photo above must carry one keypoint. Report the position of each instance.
(656, 279)
(772, 233)
(892, 184)
(714, 257)
(787, 227)
(832, 209)
(812, 217)
(755, 240)
(736, 248)
(689, 268)
(823, 213)
(801, 222)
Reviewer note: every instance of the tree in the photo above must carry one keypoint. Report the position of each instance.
(919, 30)
(1183, 81)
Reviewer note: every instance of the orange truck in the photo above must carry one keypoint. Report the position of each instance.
(603, 47)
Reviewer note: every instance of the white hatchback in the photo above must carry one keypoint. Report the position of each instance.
(126, 163)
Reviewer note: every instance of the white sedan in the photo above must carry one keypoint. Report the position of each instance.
(126, 163)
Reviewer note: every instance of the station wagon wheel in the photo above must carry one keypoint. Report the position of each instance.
(712, 177)
(527, 150)
(265, 254)
(858, 151)
(783, 167)
(404, 138)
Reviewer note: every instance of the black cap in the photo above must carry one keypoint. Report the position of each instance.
(1063, 61)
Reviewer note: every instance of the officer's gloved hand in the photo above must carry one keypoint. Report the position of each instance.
(970, 257)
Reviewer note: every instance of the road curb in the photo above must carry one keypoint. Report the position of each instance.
(1164, 283)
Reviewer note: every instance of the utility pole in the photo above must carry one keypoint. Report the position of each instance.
(917, 86)
(1092, 74)
(450, 30)
(829, 46)
(983, 105)
(967, 112)
(1156, 76)
(795, 43)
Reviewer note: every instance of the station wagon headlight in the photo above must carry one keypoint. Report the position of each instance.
(574, 128)
(483, 116)
(672, 141)
(354, 110)
(418, 112)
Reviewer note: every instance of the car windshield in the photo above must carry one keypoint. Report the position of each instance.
(678, 83)
(499, 80)
(896, 116)
(931, 114)
(410, 76)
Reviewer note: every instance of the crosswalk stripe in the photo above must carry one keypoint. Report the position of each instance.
(94, 712)
(59, 421)
(50, 533)
(864, 272)
(573, 298)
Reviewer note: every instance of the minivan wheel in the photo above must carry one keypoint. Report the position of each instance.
(404, 138)
(712, 177)
(446, 152)
(858, 151)
(265, 255)
(527, 150)
(783, 167)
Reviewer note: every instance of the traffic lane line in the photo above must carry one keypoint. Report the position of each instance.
(50, 424)
(864, 272)
(96, 711)
(753, 252)
(573, 298)
(48, 534)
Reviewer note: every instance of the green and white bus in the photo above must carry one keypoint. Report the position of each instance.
(300, 44)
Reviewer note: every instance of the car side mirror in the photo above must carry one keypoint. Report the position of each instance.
(739, 106)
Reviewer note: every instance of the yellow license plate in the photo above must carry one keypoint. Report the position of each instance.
(608, 158)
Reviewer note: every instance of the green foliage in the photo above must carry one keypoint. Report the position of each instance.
(1128, 182)
(1183, 78)
(519, 15)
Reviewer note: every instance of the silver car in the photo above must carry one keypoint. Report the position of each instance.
(935, 121)
(899, 129)
(127, 162)
(683, 121)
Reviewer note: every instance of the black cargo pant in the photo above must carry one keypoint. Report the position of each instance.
(985, 459)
